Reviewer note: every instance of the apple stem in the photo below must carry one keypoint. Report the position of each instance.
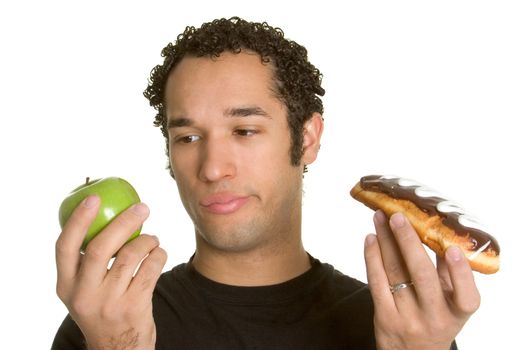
(87, 180)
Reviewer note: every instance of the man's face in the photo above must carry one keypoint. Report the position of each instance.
(229, 145)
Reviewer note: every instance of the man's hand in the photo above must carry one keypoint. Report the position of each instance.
(113, 306)
(429, 313)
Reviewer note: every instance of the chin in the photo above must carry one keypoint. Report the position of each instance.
(233, 238)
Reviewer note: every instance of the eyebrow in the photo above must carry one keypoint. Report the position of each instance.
(246, 111)
(179, 122)
(230, 112)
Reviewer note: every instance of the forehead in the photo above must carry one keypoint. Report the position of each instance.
(230, 76)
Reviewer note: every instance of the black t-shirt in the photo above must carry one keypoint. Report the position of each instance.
(321, 309)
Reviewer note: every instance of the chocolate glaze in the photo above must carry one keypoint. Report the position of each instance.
(392, 188)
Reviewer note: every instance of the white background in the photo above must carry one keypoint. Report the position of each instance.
(428, 90)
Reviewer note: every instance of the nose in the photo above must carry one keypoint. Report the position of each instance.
(217, 161)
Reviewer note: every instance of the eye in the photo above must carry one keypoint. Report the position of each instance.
(187, 139)
(246, 132)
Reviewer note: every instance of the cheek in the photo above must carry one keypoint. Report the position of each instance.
(181, 162)
(276, 172)
(185, 188)
(269, 161)
(272, 154)
(181, 170)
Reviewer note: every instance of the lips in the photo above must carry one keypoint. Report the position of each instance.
(223, 203)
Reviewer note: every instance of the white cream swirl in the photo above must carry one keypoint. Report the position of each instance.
(444, 206)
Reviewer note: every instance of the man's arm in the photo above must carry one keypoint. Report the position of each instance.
(430, 305)
(112, 307)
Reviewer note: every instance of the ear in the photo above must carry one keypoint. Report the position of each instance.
(312, 132)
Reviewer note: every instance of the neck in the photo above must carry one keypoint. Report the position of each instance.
(262, 250)
(260, 267)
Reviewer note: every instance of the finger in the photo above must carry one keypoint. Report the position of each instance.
(149, 272)
(377, 278)
(420, 266)
(392, 259)
(104, 246)
(127, 261)
(466, 296)
(67, 249)
(444, 275)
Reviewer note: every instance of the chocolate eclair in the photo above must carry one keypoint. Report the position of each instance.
(439, 222)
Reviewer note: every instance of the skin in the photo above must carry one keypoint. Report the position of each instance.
(216, 152)
(112, 307)
(430, 314)
(229, 152)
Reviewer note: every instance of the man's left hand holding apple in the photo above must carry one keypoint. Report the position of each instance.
(112, 307)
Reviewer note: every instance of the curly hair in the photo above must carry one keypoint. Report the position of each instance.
(298, 82)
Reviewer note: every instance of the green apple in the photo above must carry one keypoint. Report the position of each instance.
(116, 195)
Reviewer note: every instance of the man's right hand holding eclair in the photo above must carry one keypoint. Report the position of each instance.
(417, 306)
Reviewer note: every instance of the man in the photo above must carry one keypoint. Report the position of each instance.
(240, 109)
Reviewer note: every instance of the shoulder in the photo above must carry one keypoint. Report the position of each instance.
(170, 281)
(342, 283)
(348, 309)
(342, 291)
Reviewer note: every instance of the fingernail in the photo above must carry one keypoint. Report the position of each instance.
(454, 253)
(397, 220)
(140, 209)
(380, 217)
(90, 201)
(370, 239)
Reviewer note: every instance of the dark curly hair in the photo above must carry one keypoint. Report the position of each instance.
(298, 82)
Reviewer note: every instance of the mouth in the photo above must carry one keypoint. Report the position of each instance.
(223, 203)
